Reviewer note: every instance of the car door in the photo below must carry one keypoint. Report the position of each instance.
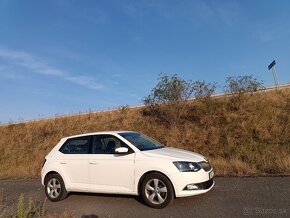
(110, 172)
(73, 163)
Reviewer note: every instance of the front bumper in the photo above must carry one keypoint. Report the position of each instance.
(202, 179)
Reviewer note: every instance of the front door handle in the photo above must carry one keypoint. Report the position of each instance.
(63, 162)
(93, 162)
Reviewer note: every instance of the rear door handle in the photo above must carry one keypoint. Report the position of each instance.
(63, 162)
(93, 162)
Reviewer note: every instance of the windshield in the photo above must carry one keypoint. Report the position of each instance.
(140, 141)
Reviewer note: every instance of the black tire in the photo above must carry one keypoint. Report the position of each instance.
(55, 188)
(156, 190)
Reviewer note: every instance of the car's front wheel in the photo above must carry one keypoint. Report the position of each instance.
(156, 190)
(55, 188)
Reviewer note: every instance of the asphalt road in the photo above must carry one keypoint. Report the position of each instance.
(231, 197)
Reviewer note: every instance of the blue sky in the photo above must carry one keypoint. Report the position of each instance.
(61, 56)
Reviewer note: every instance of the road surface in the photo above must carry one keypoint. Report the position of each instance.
(231, 197)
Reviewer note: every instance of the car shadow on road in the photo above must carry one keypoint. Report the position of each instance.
(89, 216)
(197, 200)
(113, 196)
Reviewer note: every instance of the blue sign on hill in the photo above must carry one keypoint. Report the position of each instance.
(272, 65)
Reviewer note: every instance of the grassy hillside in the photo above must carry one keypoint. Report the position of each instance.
(246, 135)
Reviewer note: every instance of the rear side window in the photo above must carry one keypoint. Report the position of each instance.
(78, 145)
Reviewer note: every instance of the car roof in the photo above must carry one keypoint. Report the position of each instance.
(96, 133)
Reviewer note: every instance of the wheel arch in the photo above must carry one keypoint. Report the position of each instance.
(150, 172)
(51, 173)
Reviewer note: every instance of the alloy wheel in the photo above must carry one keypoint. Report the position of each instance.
(156, 191)
(53, 188)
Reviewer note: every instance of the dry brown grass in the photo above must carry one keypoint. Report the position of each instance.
(28, 209)
(245, 136)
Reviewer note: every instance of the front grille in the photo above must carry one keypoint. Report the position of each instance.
(205, 165)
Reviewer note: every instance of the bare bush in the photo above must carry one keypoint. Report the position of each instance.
(168, 99)
(242, 84)
(203, 90)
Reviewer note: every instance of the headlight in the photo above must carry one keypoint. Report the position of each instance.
(184, 166)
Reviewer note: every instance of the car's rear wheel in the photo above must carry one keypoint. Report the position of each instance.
(156, 190)
(55, 188)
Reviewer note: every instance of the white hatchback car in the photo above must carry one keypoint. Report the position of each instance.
(123, 162)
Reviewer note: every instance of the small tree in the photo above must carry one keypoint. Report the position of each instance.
(239, 86)
(203, 90)
(169, 90)
(242, 84)
(174, 89)
(167, 101)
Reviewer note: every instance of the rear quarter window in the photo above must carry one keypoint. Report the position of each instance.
(78, 145)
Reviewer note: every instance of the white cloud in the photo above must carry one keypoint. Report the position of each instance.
(84, 81)
(32, 63)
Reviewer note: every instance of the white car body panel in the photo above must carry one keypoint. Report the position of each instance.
(174, 154)
(121, 176)
(75, 169)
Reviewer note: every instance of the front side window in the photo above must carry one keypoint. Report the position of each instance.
(140, 141)
(106, 144)
(78, 145)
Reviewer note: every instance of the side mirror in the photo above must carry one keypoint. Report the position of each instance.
(121, 150)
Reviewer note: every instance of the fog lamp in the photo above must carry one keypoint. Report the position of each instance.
(192, 187)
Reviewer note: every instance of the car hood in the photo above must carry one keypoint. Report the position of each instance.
(174, 154)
